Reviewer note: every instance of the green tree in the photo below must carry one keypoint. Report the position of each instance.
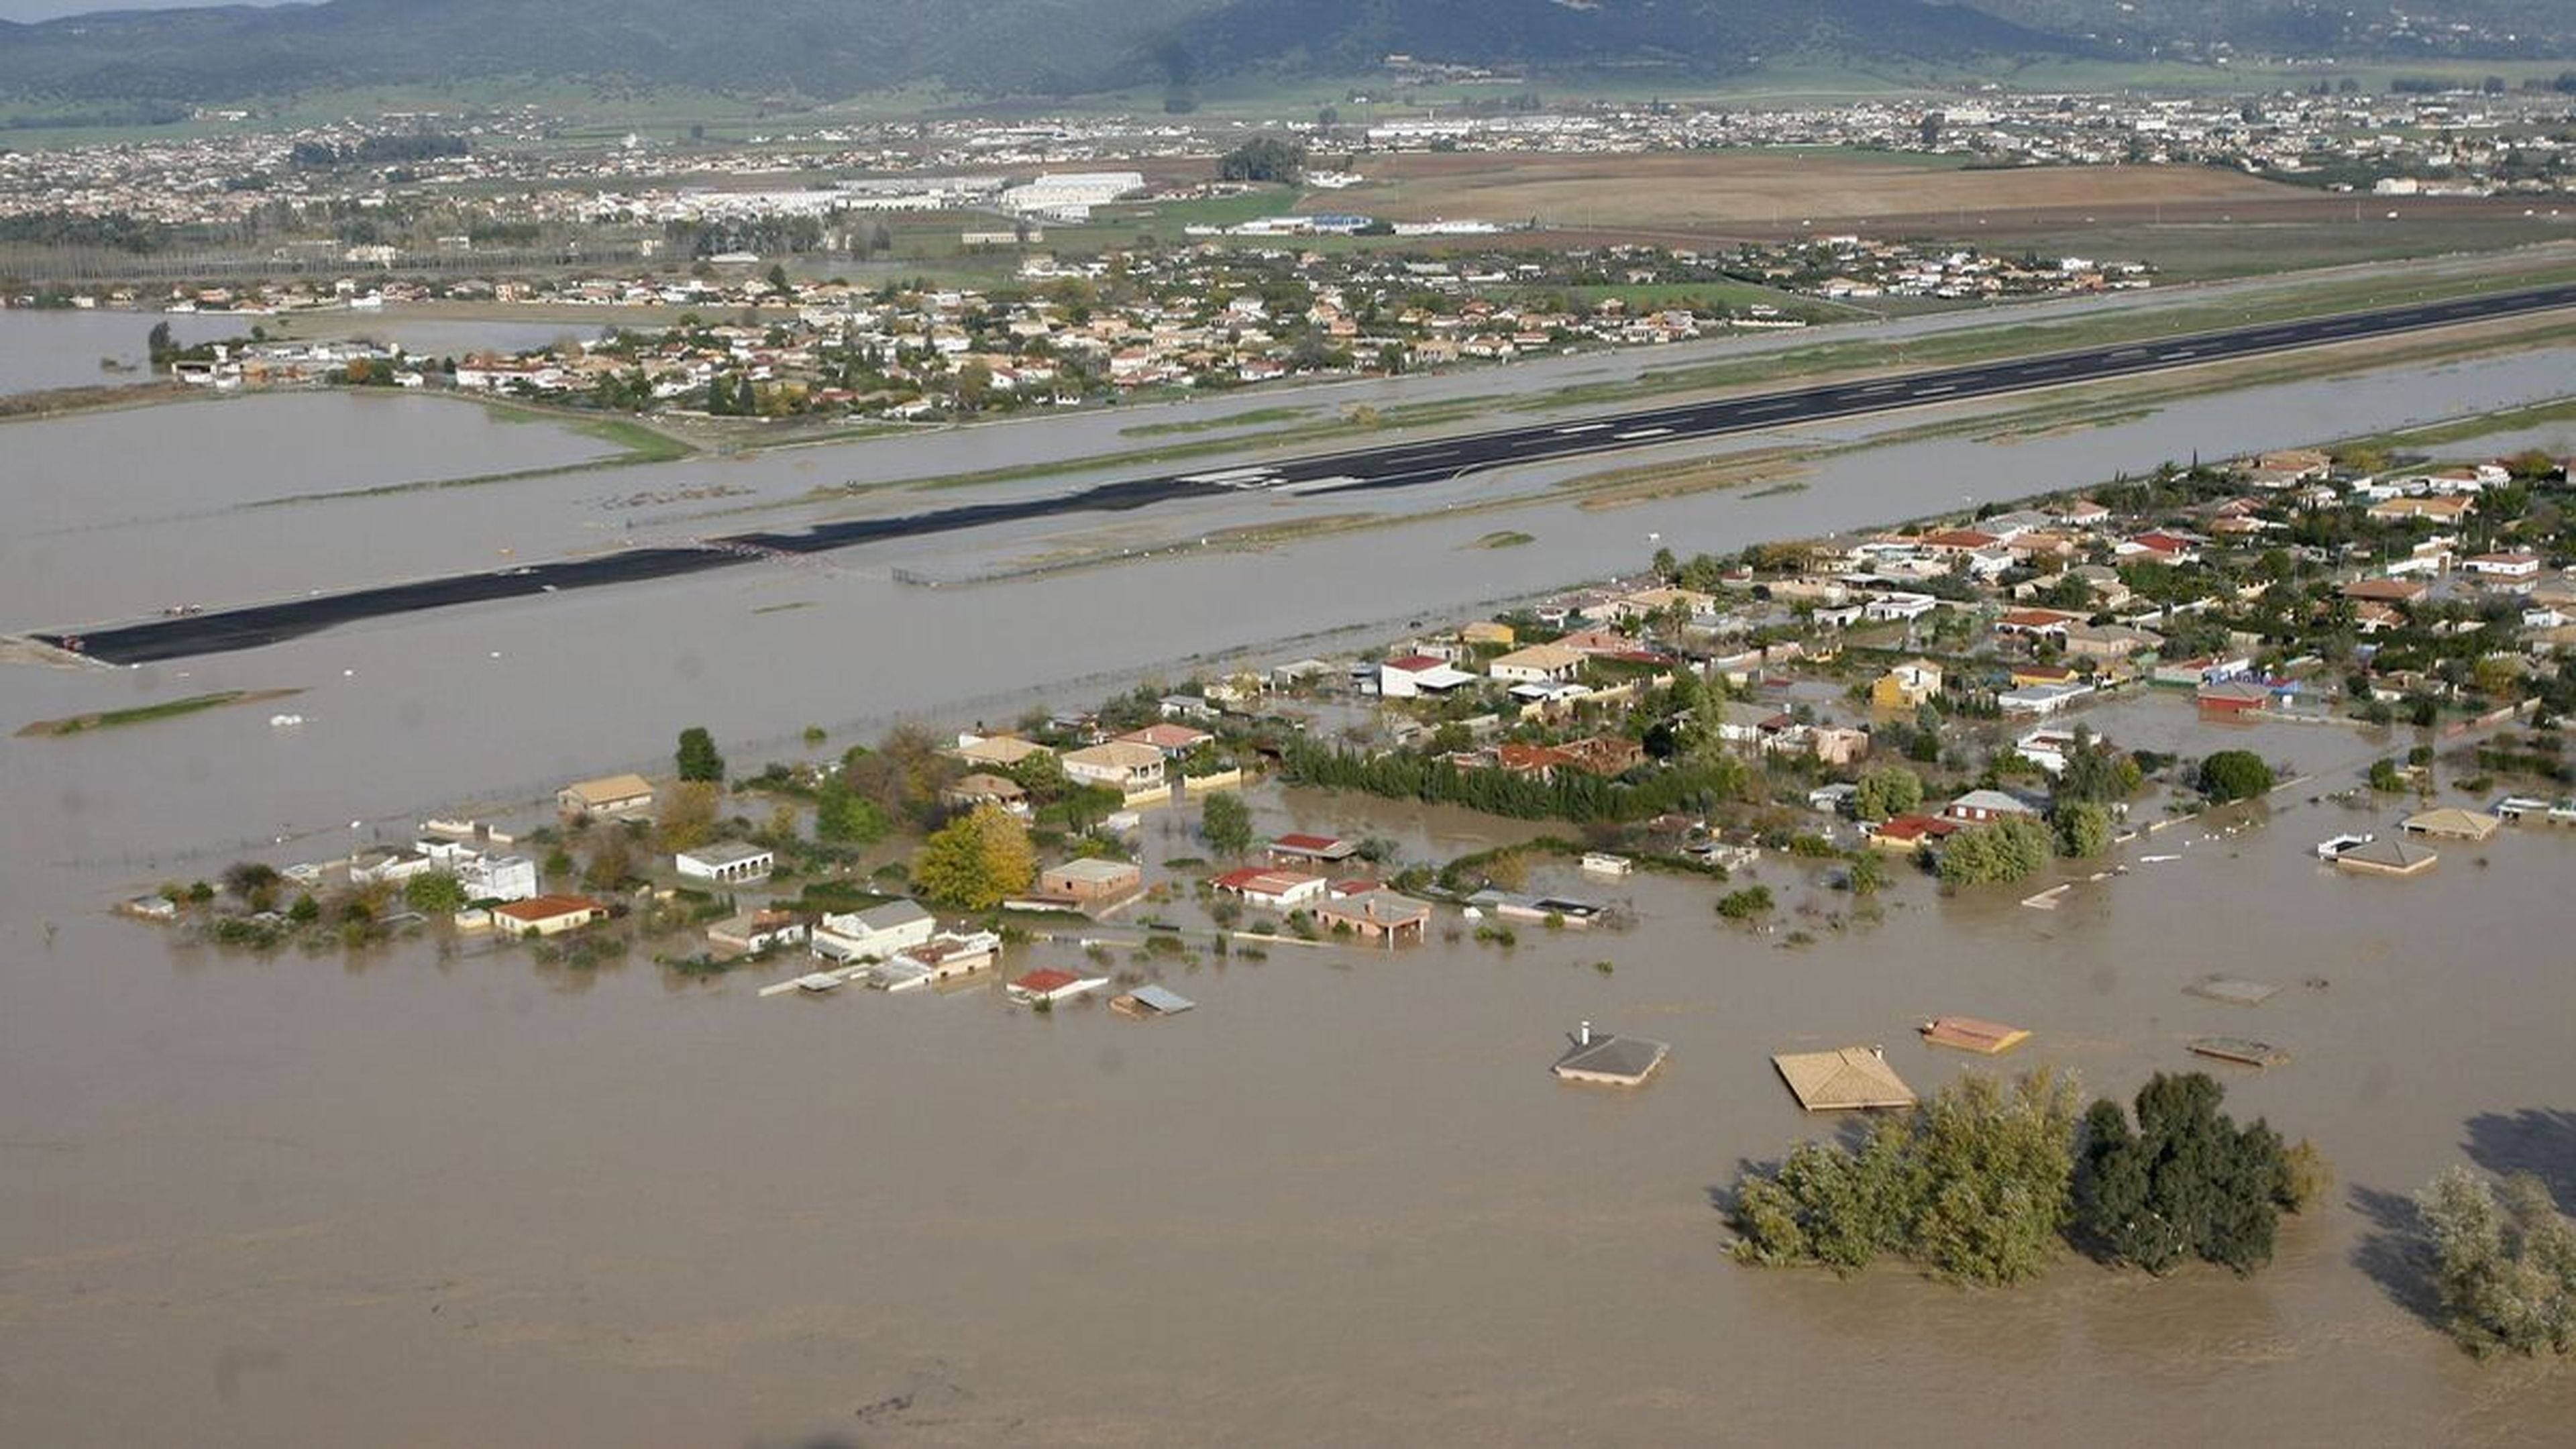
(1225, 822)
(1867, 874)
(2505, 1270)
(2187, 1182)
(2083, 829)
(2096, 772)
(1996, 854)
(1263, 158)
(253, 883)
(1042, 775)
(1888, 791)
(1745, 904)
(1971, 1185)
(976, 861)
(435, 893)
(698, 757)
(2234, 775)
(843, 816)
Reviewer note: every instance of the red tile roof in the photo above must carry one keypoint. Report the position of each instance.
(1046, 980)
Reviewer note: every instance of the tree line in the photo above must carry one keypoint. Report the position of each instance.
(1987, 1180)
(1571, 795)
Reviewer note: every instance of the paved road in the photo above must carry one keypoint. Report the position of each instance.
(1389, 465)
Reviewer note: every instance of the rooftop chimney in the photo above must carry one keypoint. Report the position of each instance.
(1583, 1037)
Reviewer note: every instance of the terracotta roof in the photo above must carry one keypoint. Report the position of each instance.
(546, 908)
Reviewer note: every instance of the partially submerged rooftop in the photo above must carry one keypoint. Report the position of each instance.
(1609, 1059)
(2386, 857)
(1974, 1034)
(1844, 1079)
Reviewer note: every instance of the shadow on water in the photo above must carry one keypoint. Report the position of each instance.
(1851, 1135)
(2394, 1253)
(2537, 1140)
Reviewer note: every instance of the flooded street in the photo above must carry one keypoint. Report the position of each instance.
(432, 1199)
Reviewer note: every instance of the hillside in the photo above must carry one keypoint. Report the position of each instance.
(827, 49)
(1705, 36)
(811, 48)
(2466, 28)
(824, 49)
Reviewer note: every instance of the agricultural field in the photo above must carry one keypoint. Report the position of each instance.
(1721, 191)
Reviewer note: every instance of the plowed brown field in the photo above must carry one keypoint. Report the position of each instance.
(1758, 191)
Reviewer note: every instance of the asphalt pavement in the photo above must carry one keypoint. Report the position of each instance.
(1381, 466)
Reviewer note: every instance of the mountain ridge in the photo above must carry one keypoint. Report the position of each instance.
(830, 49)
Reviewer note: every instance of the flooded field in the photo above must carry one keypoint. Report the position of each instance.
(1341, 1202)
(47, 349)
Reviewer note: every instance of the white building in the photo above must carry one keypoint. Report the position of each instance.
(1070, 195)
(728, 862)
(1123, 765)
(875, 934)
(498, 878)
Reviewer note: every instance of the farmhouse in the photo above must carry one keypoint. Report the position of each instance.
(969, 791)
(943, 957)
(548, 915)
(1314, 849)
(1415, 675)
(1051, 985)
(1275, 889)
(1537, 664)
(1123, 765)
(1090, 882)
(610, 797)
(1378, 916)
(727, 862)
(1906, 686)
(873, 934)
(748, 933)
(997, 752)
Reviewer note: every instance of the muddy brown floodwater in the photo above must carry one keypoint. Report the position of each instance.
(431, 1200)
(428, 1198)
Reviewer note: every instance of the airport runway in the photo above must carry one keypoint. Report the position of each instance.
(1388, 465)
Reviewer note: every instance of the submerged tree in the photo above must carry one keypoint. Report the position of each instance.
(1225, 822)
(976, 861)
(2505, 1268)
(2186, 1182)
(698, 757)
(1972, 1185)
(2234, 775)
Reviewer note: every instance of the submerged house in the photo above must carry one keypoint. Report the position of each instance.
(873, 934)
(2452, 823)
(1844, 1079)
(1379, 916)
(610, 797)
(2386, 857)
(1609, 1060)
